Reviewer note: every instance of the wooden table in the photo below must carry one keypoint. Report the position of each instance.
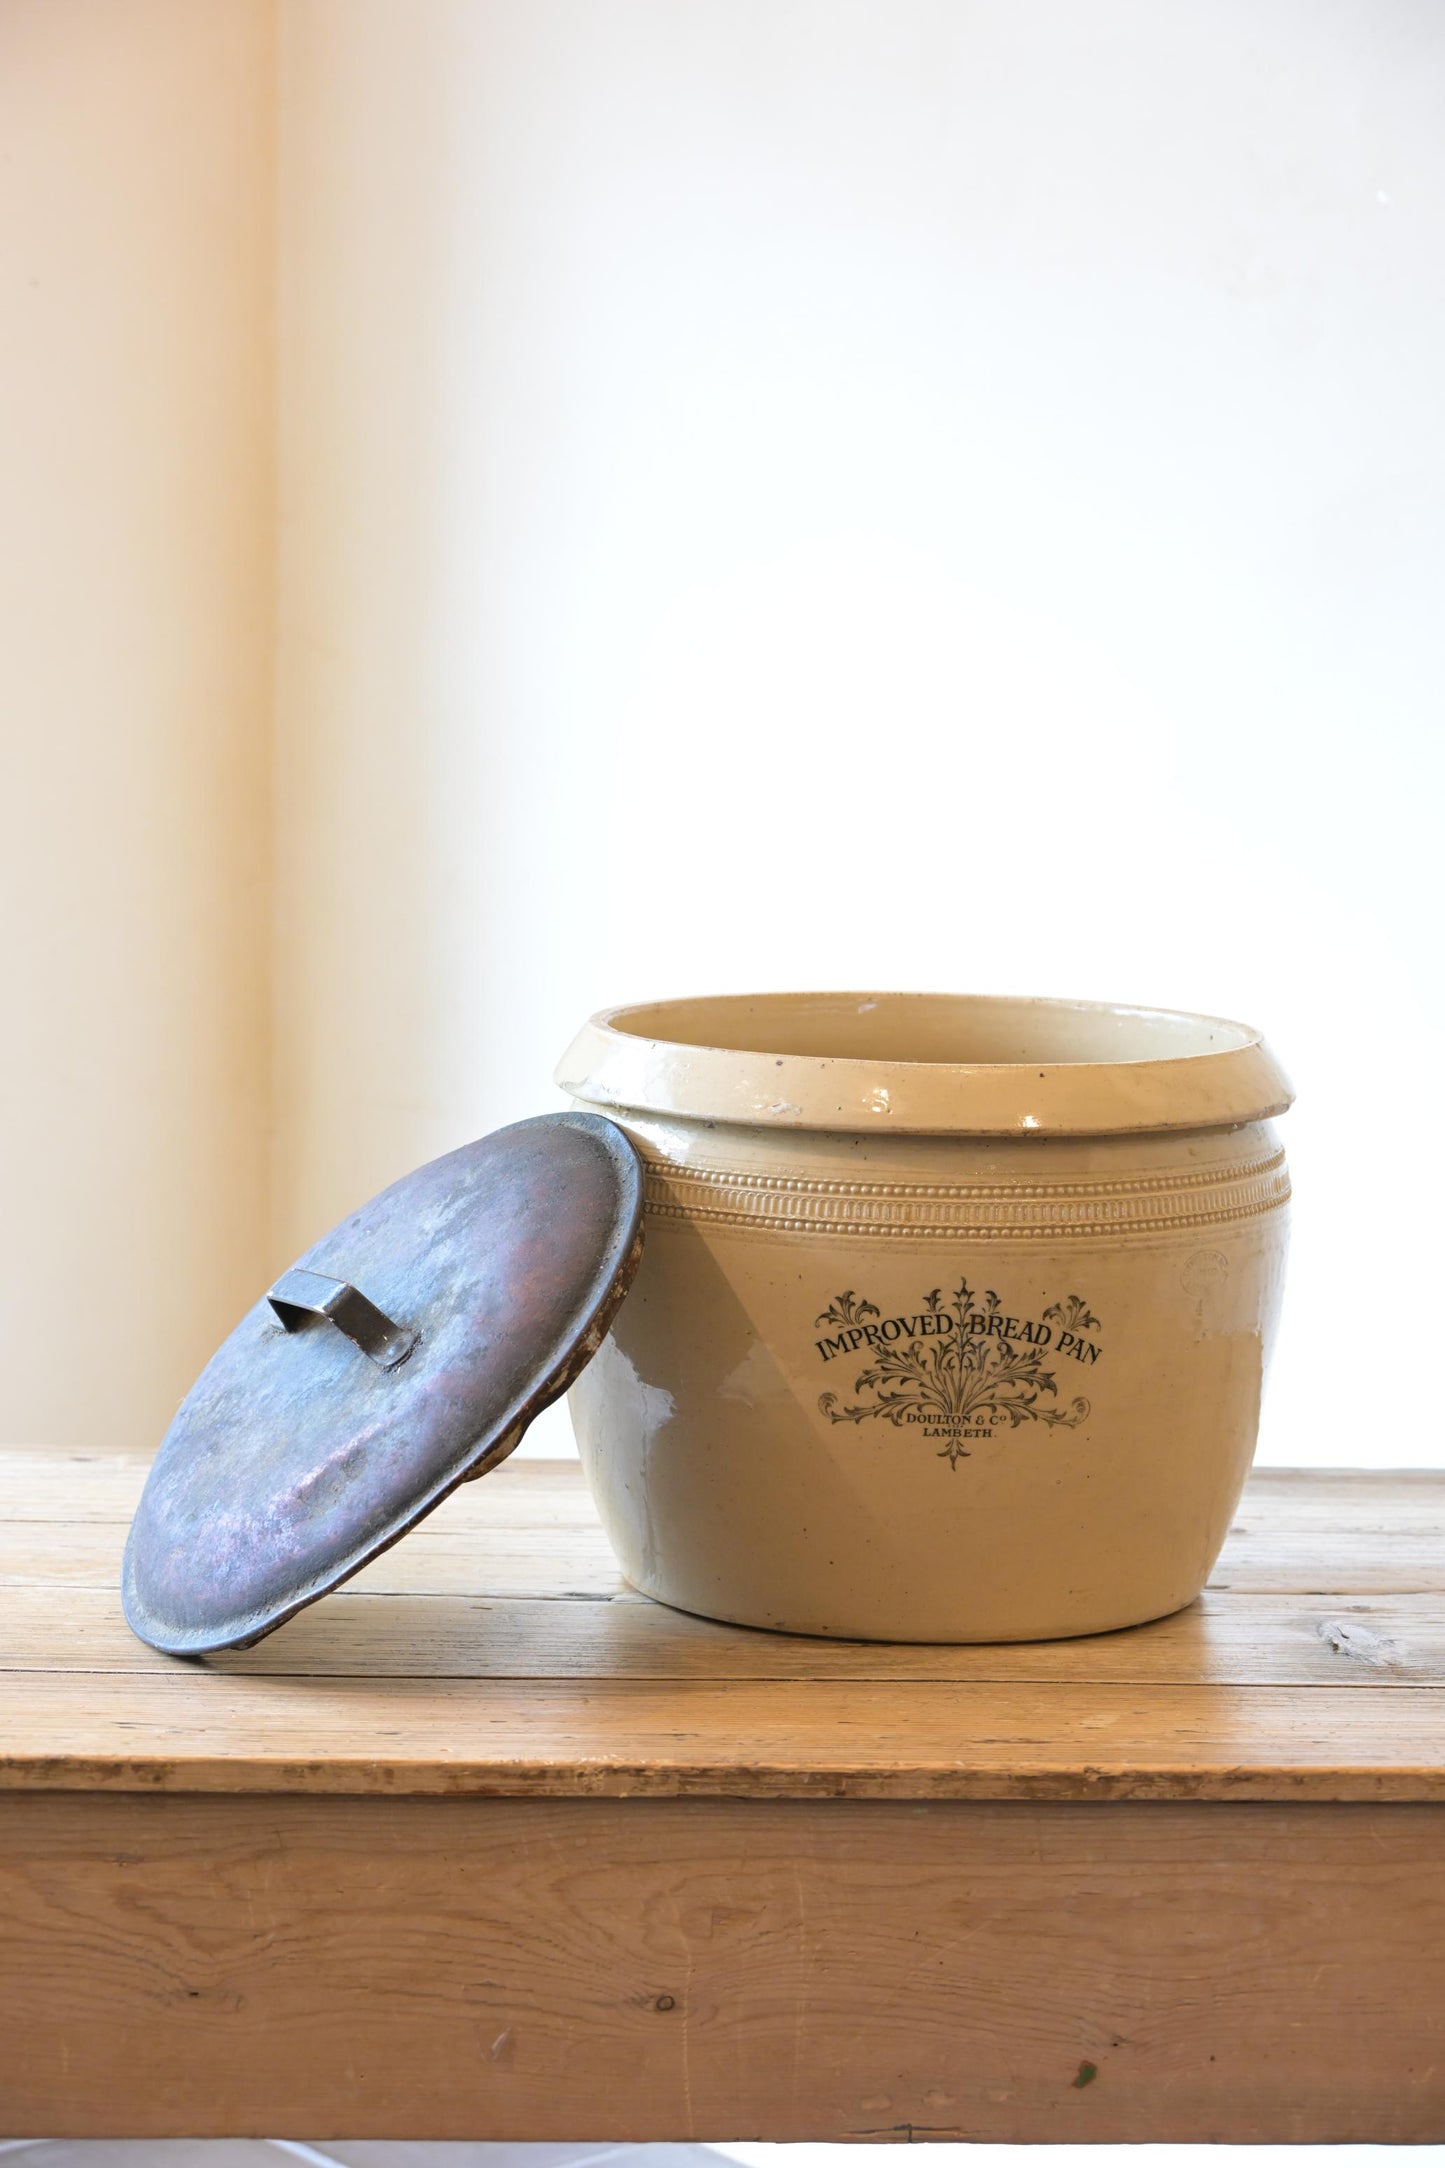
(488, 1846)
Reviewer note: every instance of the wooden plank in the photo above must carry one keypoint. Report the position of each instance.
(508, 1561)
(494, 1970)
(1317, 1531)
(1323, 1497)
(1356, 1562)
(1223, 1640)
(530, 1529)
(200, 1731)
(56, 1483)
(512, 1659)
(52, 1483)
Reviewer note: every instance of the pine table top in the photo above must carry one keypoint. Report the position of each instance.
(497, 1651)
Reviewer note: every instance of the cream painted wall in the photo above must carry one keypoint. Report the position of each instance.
(136, 242)
(384, 817)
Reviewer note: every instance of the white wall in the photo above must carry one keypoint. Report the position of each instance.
(873, 491)
(136, 198)
(914, 492)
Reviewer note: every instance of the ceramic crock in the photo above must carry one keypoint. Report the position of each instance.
(953, 1313)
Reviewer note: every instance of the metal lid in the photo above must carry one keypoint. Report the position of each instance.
(405, 1352)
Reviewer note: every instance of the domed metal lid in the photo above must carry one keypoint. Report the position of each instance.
(405, 1352)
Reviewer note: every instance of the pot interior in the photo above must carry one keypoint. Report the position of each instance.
(925, 1064)
(960, 1030)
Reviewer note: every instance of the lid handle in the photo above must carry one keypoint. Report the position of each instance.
(299, 1295)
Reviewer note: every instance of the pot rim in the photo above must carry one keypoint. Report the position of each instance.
(1186, 1071)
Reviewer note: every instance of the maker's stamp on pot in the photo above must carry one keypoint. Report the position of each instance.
(1205, 1272)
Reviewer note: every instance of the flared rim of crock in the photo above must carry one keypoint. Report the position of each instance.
(925, 1064)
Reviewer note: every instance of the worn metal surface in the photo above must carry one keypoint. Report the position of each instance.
(296, 1458)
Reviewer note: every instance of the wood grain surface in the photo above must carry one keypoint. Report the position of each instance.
(714, 1969)
(488, 1846)
(497, 1651)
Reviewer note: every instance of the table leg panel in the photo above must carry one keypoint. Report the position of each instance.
(672, 1969)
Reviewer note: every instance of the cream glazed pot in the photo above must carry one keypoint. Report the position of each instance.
(953, 1314)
